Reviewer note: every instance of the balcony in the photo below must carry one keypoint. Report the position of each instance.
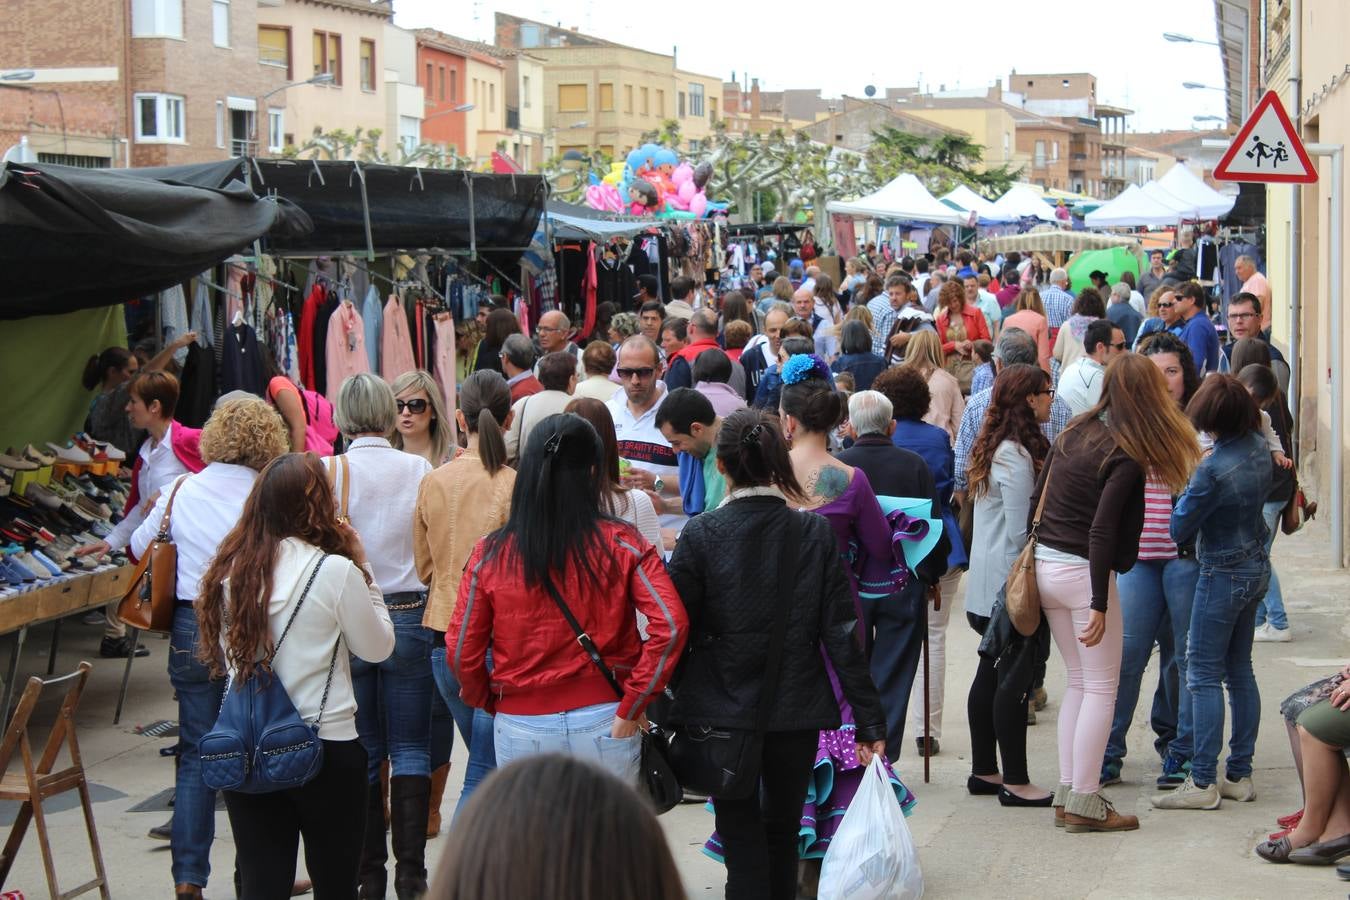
(242, 147)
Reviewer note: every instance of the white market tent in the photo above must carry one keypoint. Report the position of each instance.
(970, 201)
(1177, 196)
(904, 199)
(1022, 202)
(1207, 203)
(1134, 207)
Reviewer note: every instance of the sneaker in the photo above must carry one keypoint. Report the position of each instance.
(1039, 698)
(1173, 774)
(120, 648)
(1110, 774)
(1242, 790)
(933, 746)
(1189, 796)
(1269, 634)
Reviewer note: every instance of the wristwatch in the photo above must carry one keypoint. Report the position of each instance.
(659, 484)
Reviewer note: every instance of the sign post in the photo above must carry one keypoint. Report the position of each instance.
(1267, 149)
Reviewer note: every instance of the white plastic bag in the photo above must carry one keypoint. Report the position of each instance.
(872, 855)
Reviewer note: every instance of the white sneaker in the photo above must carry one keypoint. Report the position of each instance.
(1242, 790)
(1189, 796)
(1268, 633)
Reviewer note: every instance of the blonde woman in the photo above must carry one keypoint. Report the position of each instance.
(422, 427)
(1030, 317)
(924, 353)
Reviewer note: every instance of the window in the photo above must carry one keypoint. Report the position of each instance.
(643, 96)
(159, 118)
(274, 47)
(276, 130)
(525, 91)
(607, 98)
(660, 103)
(712, 110)
(695, 146)
(1054, 151)
(1040, 155)
(628, 99)
(695, 99)
(572, 98)
(679, 105)
(328, 55)
(441, 87)
(608, 150)
(454, 86)
(367, 65)
(220, 22)
(409, 133)
(157, 18)
(492, 97)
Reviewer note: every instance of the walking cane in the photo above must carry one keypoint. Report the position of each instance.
(927, 733)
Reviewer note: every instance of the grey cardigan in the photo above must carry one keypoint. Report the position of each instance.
(1000, 525)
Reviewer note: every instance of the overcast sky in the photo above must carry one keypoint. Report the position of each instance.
(898, 44)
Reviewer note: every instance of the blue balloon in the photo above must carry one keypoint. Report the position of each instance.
(666, 156)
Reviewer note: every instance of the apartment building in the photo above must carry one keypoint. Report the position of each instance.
(1096, 131)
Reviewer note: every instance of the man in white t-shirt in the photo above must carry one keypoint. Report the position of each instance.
(1080, 384)
(653, 467)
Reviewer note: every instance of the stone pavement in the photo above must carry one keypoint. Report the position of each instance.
(970, 847)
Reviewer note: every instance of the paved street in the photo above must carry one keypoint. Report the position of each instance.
(969, 847)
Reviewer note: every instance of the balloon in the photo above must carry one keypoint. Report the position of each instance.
(686, 192)
(702, 172)
(699, 205)
(603, 197)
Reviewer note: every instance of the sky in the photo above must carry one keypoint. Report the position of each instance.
(1122, 44)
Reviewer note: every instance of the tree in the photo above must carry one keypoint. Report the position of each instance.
(667, 134)
(568, 178)
(364, 146)
(941, 162)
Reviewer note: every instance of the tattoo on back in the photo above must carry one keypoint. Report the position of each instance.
(829, 483)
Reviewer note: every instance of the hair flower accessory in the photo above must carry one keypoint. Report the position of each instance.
(804, 367)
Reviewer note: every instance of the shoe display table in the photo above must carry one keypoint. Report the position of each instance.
(52, 603)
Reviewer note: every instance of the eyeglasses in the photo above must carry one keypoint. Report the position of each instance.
(1166, 305)
(1049, 392)
(643, 373)
(1241, 316)
(416, 407)
(543, 328)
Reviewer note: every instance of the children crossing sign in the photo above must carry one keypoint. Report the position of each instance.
(1267, 148)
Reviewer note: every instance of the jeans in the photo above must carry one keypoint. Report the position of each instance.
(199, 698)
(475, 725)
(267, 829)
(583, 733)
(759, 832)
(1155, 603)
(1094, 672)
(393, 698)
(1271, 609)
(1219, 652)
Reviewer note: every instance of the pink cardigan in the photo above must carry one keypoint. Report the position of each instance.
(1034, 324)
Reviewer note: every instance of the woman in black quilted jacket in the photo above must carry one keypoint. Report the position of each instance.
(726, 570)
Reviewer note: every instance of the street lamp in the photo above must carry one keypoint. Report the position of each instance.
(1186, 39)
(1197, 86)
(321, 78)
(18, 75)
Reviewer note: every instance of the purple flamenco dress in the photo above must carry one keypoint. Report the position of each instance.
(865, 544)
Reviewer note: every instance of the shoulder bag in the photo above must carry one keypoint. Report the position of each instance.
(656, 777)
(1021, 595)
(148, 603)
(338, 464)
(259, 743)
(725, 762)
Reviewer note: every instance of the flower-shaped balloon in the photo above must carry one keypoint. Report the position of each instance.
(804, 367)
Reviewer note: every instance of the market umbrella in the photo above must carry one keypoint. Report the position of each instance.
(1113, 261)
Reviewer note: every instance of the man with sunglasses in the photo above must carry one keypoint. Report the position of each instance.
(653, 467)
(1080, 384)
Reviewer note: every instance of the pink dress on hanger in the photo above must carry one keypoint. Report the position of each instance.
(345, 347)
(396, 351)
(445, 368)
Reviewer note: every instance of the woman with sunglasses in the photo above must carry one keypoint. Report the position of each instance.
(422, 427)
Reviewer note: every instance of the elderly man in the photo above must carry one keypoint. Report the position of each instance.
(893, 627)
(554, 334)
(517, 358)
(1125, 316)
(1057, 300)
(654, 466)
(1254, 283)
(699, 334)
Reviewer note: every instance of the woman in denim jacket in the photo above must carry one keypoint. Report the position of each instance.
(1222, 504)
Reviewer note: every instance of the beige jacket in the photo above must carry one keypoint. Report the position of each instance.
(456, 505)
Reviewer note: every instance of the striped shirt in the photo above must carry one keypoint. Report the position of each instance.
(1155, 541)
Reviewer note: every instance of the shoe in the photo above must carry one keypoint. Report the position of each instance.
(1031, 714)
(301, 887)
(73, 455)
(981, 788)
(1327, 853)
(371, 877)
(1061, 797)
(1242, 790)
(932, 746)
(1275, 851)
(1173, 774)
(162, 832)
(120, 648)
(1110, 774)
(1269, 634)
(1008, 798)
(1343, 872)
(1291, 820)
(187, 892)
(438, 778)
(408, 799)
(1039, 698)
(1189, 796)
(1093, 812)
(94, 617)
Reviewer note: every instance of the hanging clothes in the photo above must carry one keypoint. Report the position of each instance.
(201, 312)
(241, 369)
(373, 315)
(197, 387)
(446, 368)
(173, 319)
(396, 352)
(346, 351)
(305, 339)
(330, 305)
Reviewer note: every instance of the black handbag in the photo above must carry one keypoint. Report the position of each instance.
(655, 776)
(725, 762)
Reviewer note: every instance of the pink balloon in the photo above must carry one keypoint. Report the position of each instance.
(687, 191)
(699, 205)
(683, 172)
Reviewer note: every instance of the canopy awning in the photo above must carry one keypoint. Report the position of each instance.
(572, 222)
(1022, 202)
(963, 197)
(904, 199)
(1194, 195)
(1056, 241)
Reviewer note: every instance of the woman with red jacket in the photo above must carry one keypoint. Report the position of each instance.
(960, 325)
(559, 547)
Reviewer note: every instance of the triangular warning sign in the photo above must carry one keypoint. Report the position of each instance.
(1267, 148)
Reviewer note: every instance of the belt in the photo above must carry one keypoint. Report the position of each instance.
(189, 604)
(417, 601)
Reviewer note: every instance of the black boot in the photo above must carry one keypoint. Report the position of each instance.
(409, 799)
(372, 877)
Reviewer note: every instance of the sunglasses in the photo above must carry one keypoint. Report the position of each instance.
(644, 373)
(416, 407)
(1166, 305)
(1120, 346)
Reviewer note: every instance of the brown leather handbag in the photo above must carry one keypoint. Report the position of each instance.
(149, 601)
(1021, 594)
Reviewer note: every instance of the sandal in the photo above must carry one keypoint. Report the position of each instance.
(1276, 851)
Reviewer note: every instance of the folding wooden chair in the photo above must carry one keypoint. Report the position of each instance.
(38, 782)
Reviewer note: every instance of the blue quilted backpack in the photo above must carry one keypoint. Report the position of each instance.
(259, 743)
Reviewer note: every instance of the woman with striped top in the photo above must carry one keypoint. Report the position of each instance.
(1155, 603)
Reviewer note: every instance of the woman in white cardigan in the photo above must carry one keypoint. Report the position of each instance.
(289, 549)
(1004, 462)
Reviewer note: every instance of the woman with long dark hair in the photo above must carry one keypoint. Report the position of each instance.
(1221, 507)
(726, 568)
(456, 505)
(616, 498)
(1005, 459)
(288, 561)
(501, 324)
(558, 547)
(1094, 512)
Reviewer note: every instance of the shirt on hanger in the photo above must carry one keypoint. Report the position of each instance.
(345, 353)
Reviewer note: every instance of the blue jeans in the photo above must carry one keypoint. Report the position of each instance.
(1220, 651)
(1155, 603)
(475, 725)
(199, 698)
(393, 698)
(1272, 607)
(583, 733)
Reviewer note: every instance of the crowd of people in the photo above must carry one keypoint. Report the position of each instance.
(680, 485)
